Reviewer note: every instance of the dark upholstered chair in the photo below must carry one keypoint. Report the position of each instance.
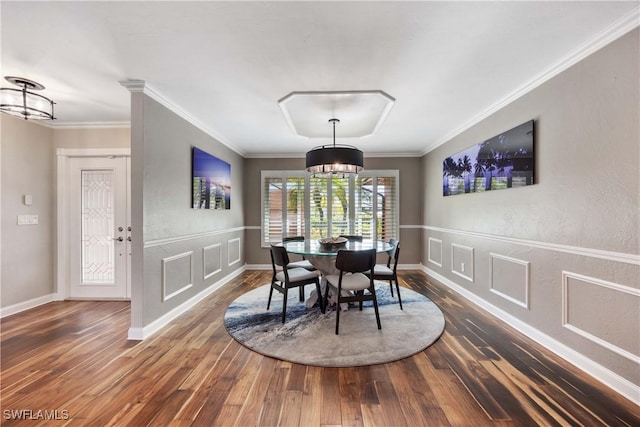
(304, 263)
(389, 272)
(352, 266)
(288, 278)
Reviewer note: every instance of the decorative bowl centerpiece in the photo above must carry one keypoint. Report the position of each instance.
(332, 243)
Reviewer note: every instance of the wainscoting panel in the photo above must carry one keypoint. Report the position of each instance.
(211, 260)
(435, 251)
(582, 300)
(510, 279)
(233, 251)
(462, 261)
(177, 274)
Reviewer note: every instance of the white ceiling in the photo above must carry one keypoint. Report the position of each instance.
(225, 65)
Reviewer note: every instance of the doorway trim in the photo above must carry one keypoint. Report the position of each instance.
(62, 215)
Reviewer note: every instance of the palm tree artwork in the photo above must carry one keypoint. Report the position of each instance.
(504, 161)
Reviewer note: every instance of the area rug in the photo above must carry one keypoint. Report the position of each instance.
(308, 336)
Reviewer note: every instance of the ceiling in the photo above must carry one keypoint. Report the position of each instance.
(225, 65)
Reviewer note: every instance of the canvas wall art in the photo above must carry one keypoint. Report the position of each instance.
(504, 161)
(211, 178)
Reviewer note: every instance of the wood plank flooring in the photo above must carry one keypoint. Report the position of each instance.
(74, 358)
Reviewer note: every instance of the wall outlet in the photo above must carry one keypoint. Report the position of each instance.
(28, 219)
(462, 267)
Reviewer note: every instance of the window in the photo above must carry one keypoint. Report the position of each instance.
(296, 204)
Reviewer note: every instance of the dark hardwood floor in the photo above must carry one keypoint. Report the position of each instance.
(72, 361)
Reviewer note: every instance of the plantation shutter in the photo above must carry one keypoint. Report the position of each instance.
(272, 210)
(296, 204)
(387, 208)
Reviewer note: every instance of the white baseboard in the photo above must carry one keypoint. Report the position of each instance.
(599, 372)
(268, 267)
(26, 305)
(258, 267)
(139, 334)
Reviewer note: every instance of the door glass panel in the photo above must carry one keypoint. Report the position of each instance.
(97, 226)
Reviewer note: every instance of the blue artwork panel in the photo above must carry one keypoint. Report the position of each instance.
(211, 178)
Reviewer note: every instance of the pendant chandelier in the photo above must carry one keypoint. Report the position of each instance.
(23, 102)
(336, 159)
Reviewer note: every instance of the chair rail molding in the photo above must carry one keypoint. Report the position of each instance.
(626, 258)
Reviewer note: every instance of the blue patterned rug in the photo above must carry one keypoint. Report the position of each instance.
(308, 336)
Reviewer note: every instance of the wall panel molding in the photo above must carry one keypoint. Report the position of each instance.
(525, 279)
(211, 257)
(234, 253)
(431, 248)
(566, 310)
(632, 259)
(181, 284)
(460, 253)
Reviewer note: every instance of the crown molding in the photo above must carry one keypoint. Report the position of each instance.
(137, 86)
(618, 29)
(302, 155)
(89, 125)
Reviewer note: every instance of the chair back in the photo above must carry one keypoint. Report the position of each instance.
(356, 261)
(352, 238)
(279, 256)
(396, 256)
(293, 239)
(393, 253)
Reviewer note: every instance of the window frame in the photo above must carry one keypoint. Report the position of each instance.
(285, 174)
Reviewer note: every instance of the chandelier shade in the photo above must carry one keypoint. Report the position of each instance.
(335, 159)
(23, 102)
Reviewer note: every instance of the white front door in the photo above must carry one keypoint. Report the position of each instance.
(99, 227)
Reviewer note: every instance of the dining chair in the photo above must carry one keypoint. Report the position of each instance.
(352, 238)
(352, 266)
(387, 272)
(286, 278)
(303, 263)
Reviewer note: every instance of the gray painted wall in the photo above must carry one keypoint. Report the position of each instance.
(571, 241)
(179, 243)
(410, 202)
(27, 250)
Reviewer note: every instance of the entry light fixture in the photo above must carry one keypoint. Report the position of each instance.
(336, 159)
(24, 102)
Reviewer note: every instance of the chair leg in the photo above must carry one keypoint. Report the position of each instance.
(301, 291)
(375, 306)
(398, 289)
(391, 286)
(338, 310)
(320, 299)
(270, 294)
(284, 303)
(326, 296)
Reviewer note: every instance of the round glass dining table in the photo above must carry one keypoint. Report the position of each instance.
(324, 258)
